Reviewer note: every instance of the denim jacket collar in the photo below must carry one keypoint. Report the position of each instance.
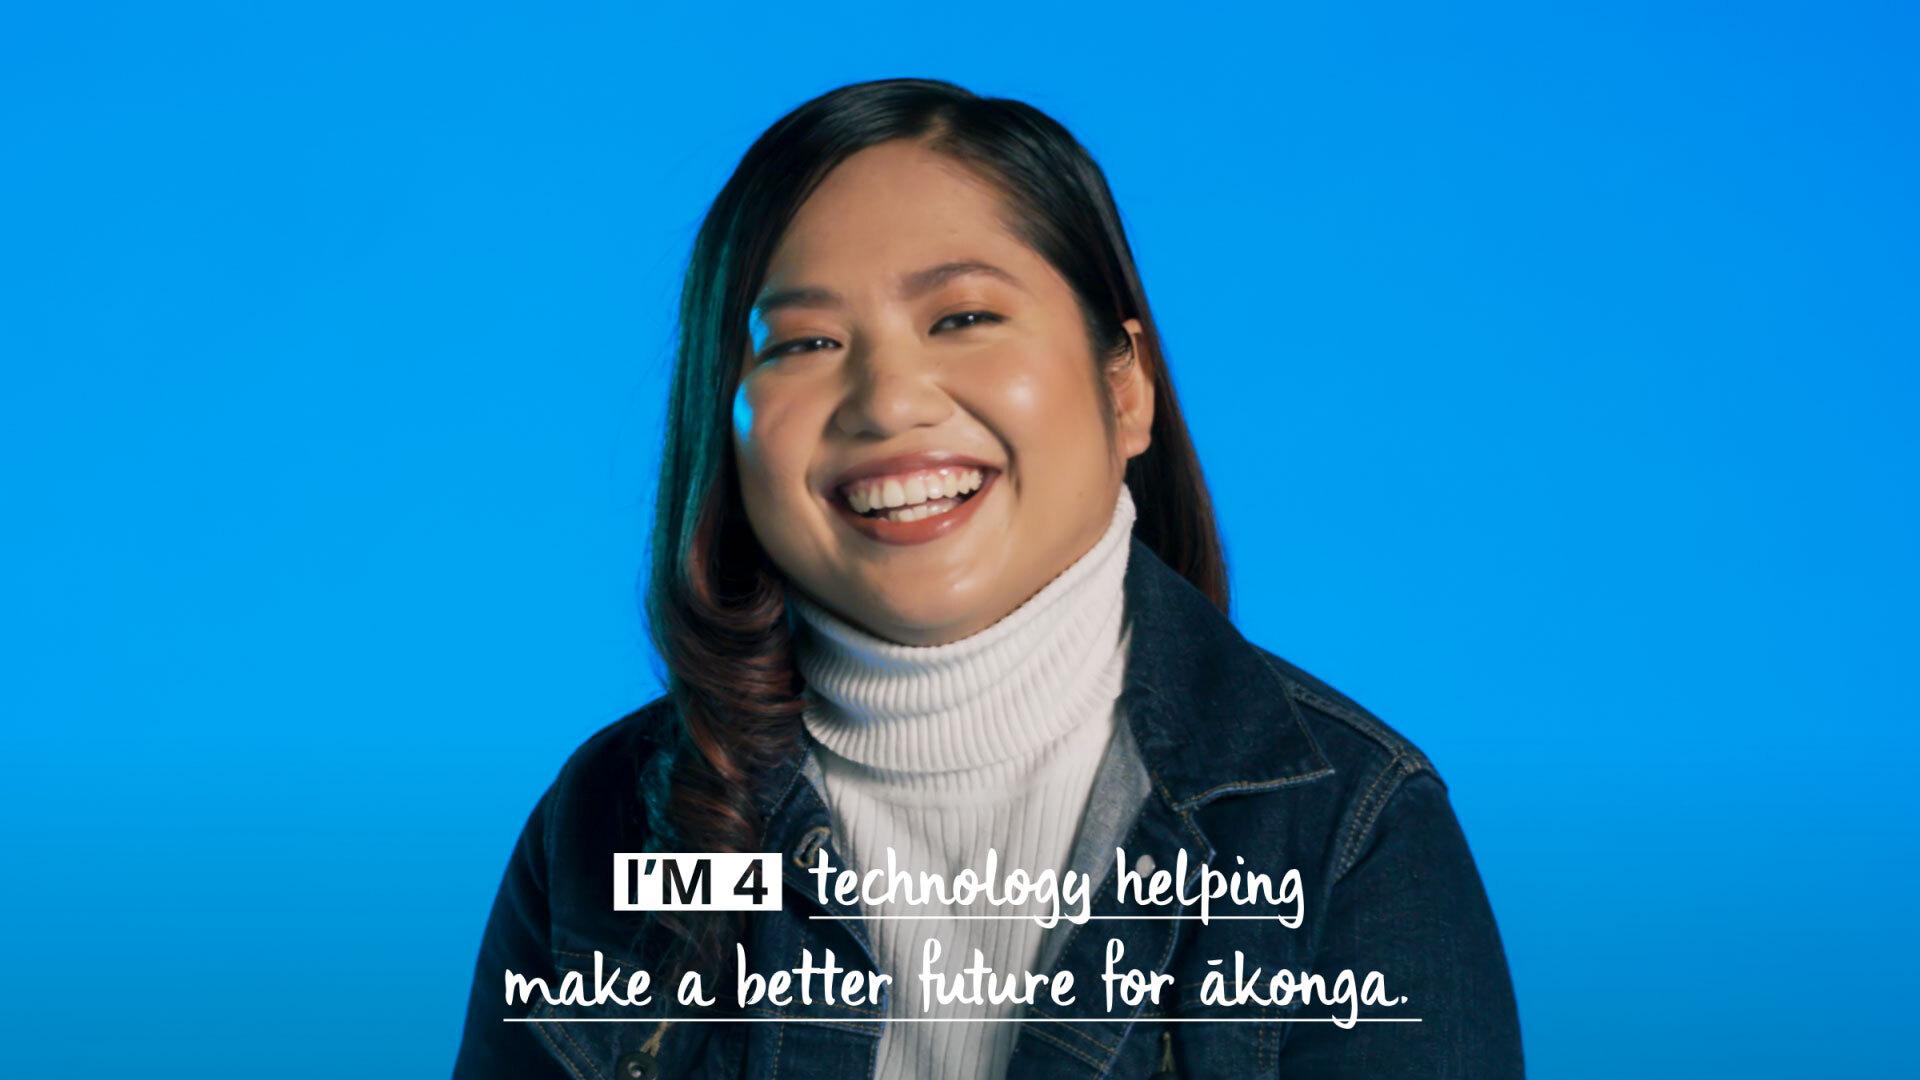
(1210, 714)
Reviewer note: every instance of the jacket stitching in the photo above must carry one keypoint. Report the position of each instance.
(849, 1023)
(553, 1049)
(1041, 1032)
(1182, 806)
(1360, 722)
(560, 1057)
(1070, 1026)
(585, 1058)
(559, 1054)
(1287, 689)
(773, 808)
(1344, 712)
(585, 958)
(1239, 787)
(851, 1027)
(578, 1049)
(779, 1041)
(1362, 818)
(1367, 812)
(1263, 1042)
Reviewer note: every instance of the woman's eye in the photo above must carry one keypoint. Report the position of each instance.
(785, 347)
(979, 318)
(961, 320)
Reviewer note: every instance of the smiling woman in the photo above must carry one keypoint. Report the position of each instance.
(937, 582)
(929, 337)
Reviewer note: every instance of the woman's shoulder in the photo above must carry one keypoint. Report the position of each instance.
(1374, 780)
(1345, 728)
(632, 739)
(598, 798)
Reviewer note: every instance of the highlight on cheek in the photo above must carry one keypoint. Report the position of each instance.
(742, 412)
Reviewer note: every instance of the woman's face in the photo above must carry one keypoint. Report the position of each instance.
(904, 348)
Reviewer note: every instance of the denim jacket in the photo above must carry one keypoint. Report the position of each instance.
(1243, 754)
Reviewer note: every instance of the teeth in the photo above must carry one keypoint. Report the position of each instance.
(910, 490)
(924, 510)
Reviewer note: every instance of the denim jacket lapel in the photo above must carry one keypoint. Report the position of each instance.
(1211, 719)
(1222, 720)
(799, 826)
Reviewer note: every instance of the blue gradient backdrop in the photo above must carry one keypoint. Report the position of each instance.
(1555, 373)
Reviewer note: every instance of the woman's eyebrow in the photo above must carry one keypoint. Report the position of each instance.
(911, 285)
(925, 281)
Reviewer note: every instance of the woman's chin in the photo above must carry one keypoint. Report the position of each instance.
(925, 620)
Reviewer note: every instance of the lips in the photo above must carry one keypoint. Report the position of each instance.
(906, 463)
(943, 512)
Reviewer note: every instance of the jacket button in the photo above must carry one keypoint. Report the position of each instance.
(1143, 865)
(810, 844)
(637, 1066)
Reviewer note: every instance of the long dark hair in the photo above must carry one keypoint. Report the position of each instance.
(715, 602)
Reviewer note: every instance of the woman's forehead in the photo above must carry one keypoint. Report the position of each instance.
(899, 205)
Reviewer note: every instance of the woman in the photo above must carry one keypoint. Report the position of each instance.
(936, 580)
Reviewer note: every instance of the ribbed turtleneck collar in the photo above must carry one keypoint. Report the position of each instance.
(1003, 693)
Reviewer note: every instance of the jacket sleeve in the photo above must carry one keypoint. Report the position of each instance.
(1411, 906)
(516, 938)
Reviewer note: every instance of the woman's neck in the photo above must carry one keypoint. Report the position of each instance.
(1003, 693)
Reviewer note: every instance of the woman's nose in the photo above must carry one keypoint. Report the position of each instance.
(891, 391)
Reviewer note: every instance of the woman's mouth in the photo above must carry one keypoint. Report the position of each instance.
(916, 506)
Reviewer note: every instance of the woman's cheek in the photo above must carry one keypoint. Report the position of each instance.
(777, 429)
(744, 415)
(762, 410)
(1042, 416)
(1008, 388)
(752, 424)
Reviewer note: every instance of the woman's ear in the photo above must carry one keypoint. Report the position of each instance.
(1132, 389)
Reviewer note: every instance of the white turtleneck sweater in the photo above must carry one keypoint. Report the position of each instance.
(942, 752)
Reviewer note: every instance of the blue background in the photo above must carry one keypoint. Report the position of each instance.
(1554, 372)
